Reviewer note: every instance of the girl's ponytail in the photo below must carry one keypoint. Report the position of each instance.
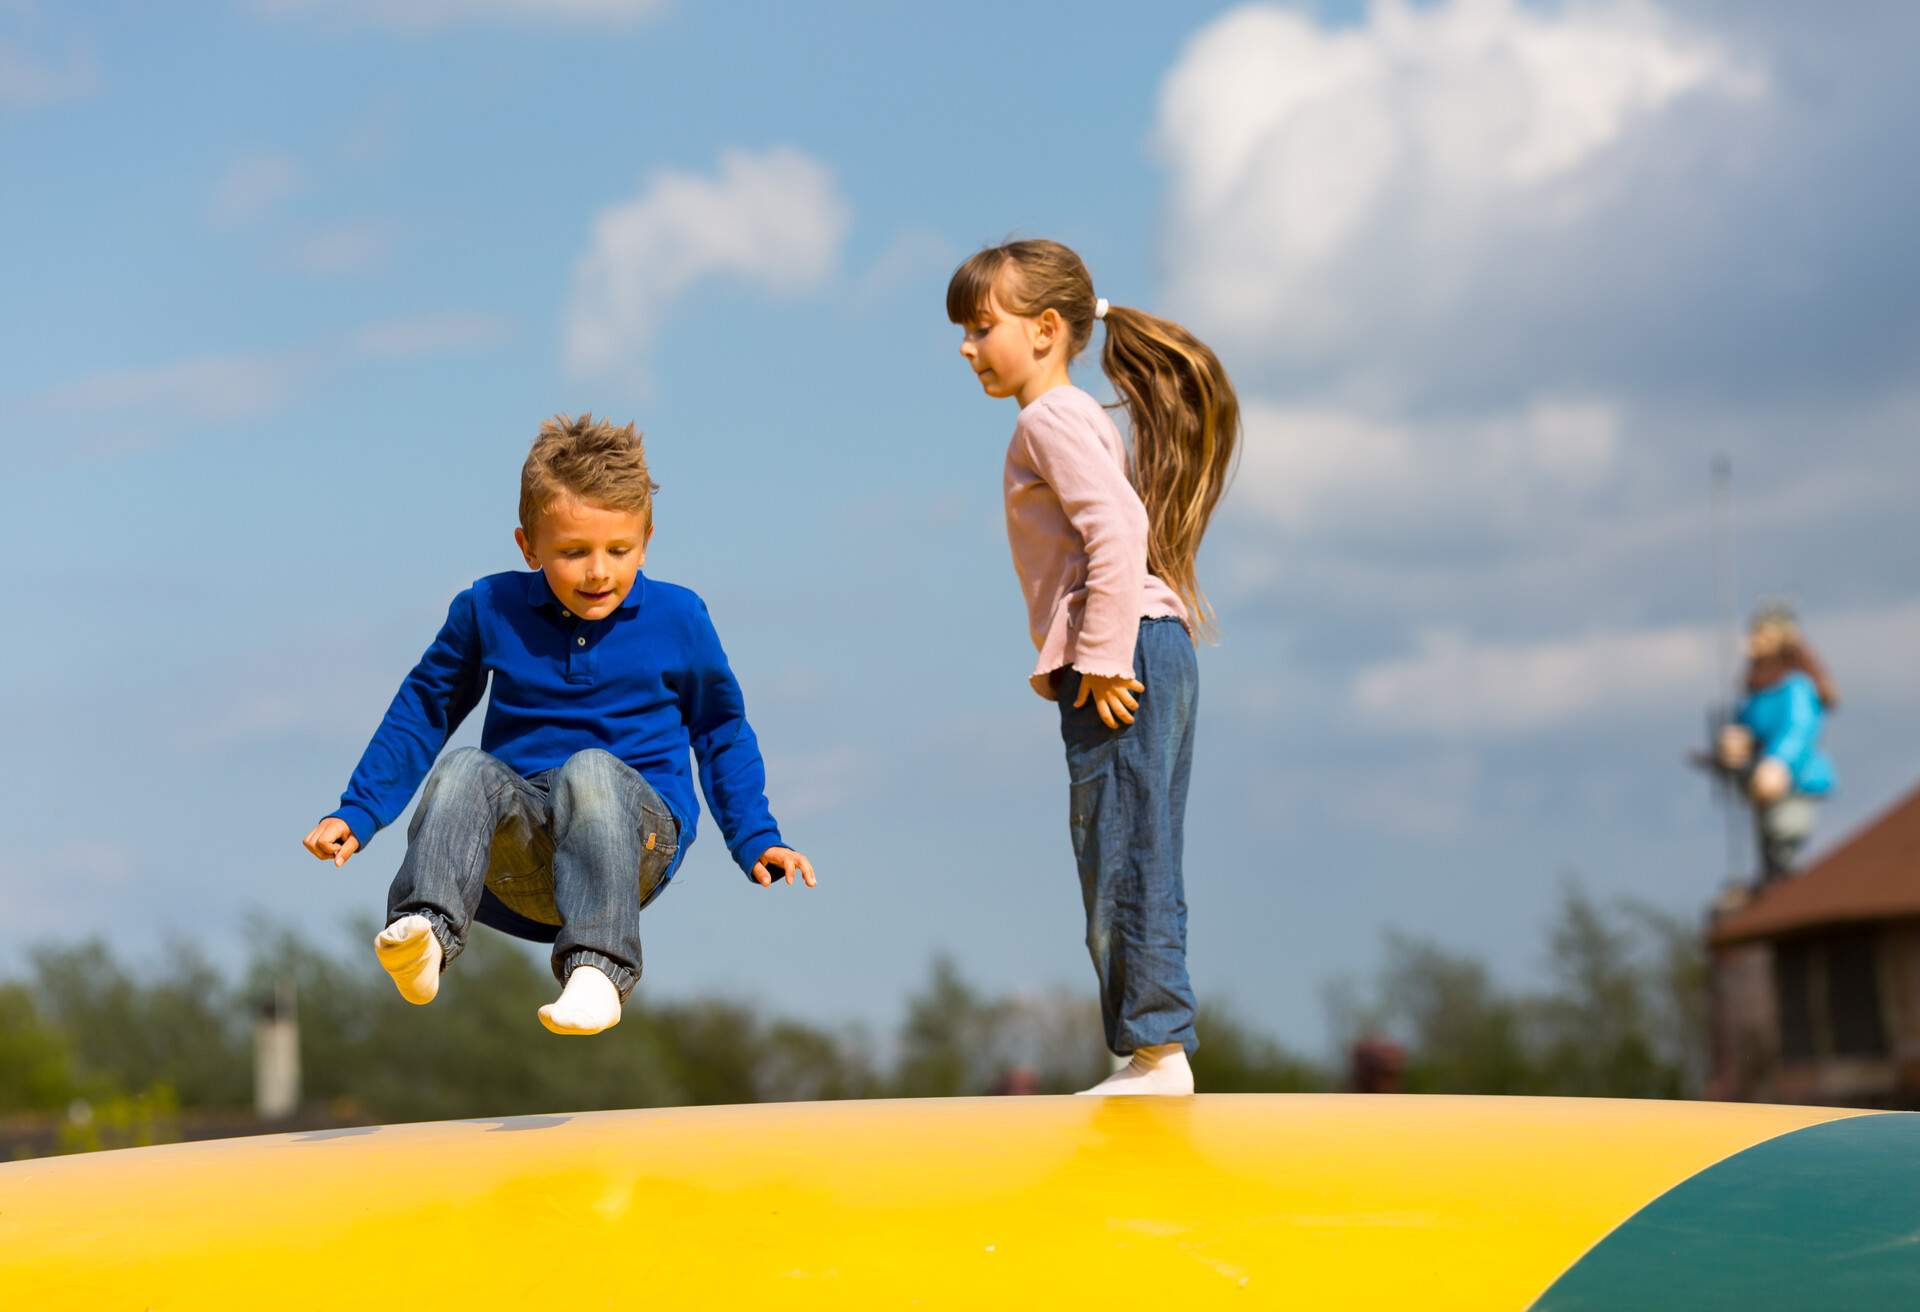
(1186, 419)
(1186, 433)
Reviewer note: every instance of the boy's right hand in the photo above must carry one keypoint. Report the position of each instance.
(332, 840)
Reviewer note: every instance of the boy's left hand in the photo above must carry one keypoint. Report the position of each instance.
(786, 858)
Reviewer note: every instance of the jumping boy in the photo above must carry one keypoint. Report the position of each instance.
(578, 805)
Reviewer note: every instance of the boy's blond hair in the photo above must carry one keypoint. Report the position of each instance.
(589, 459)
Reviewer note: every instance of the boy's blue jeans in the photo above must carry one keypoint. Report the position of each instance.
(1129, 803)
(584, 846)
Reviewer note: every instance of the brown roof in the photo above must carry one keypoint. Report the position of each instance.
(1873, 875)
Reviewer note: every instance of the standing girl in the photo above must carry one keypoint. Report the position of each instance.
(1104, 549)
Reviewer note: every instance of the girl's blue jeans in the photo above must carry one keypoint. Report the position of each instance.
(1129, 802)
(583, 846)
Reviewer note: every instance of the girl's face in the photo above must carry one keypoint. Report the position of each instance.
(1005, 350)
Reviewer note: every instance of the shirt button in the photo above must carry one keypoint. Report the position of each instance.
(580, 642)
(566, 614)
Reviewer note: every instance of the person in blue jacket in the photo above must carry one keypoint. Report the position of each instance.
(1774, 741)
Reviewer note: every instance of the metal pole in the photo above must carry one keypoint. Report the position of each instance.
(1727, 646)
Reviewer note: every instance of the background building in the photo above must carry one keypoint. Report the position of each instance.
(1816, 983)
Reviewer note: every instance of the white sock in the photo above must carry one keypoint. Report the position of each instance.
(410, 953)
(590, 1003)
(1161, 1069)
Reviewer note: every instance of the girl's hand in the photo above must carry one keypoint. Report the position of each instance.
(1112, 696)
(1043, 684)
(332, 840)
(789, 860)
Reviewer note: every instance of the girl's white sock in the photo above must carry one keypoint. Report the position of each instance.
(410, 953)
(590, 1003)
(1161, 1069)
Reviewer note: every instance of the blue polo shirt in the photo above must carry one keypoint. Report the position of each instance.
(648, 683)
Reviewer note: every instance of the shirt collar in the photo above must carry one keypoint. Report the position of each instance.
(539, 594)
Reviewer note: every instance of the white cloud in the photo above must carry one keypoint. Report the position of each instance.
(916, 254)
(326, 710)
(1496, 279)
(774, 218)
(347, 248)
(431, 14)
(811, 784)
(1345, 516)
(1320, 468)
(258, 187)
(253, 188)
(44, 886)
(101, 864)
(1873, 653)
(1430, 795)
(441, 334)
(1329, 184)
(127, 407)
(212, 388)
(1453, 684)
(27, 80)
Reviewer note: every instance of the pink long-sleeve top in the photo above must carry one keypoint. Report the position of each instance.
(1079, 536)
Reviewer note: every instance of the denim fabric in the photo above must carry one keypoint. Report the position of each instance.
(583, 846)
(1129, 803)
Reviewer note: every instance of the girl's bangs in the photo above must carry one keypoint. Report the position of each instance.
(970, 290)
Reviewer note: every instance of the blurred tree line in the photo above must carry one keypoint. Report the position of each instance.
(1623, 1015)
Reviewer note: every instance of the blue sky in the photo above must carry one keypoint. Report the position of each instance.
(292, 284)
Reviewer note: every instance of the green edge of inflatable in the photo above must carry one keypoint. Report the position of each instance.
(1825, 1219)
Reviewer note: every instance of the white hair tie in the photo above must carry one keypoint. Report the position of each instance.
(1100, 308)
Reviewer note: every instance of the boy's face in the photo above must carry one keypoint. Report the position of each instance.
(588, 552)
